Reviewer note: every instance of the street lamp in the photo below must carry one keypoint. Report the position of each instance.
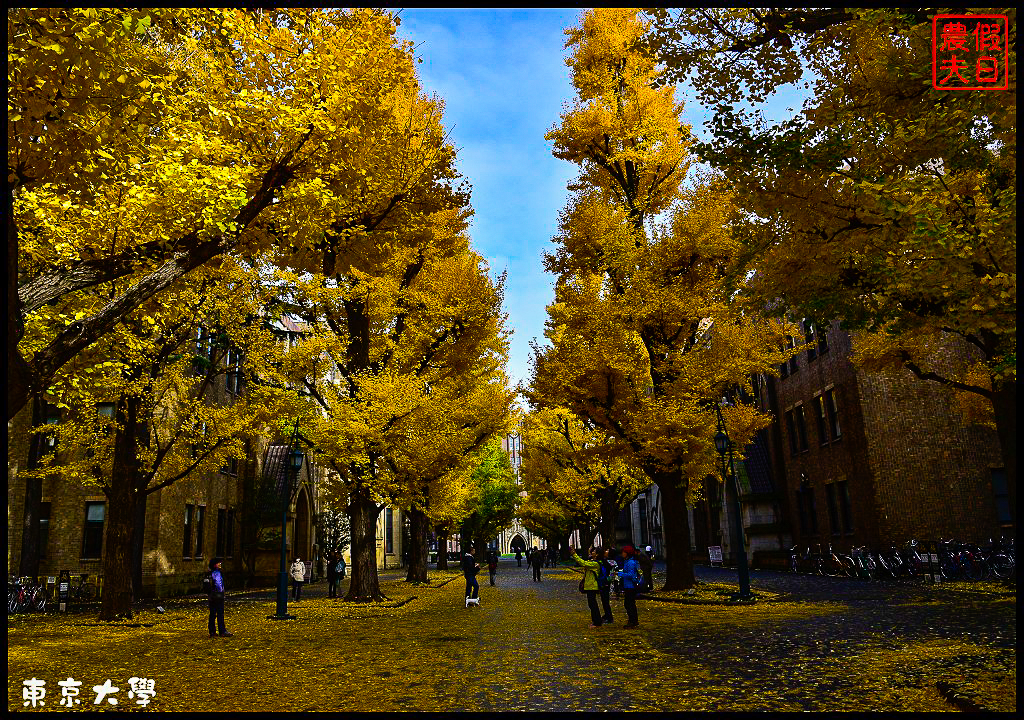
(291, 481)
(724, 445)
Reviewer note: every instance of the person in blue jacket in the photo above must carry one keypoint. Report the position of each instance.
(216, 599)
(631, 582)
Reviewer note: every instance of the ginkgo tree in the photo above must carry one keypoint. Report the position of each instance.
(571, 464)
(161, 372)
(646, 332)
(885, 202)
(410, 343)
(460, 416)
(144, 143)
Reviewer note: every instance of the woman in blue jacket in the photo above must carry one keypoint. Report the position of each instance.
(631, 582)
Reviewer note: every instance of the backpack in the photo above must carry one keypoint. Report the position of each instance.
(602, 576)
(340, 568)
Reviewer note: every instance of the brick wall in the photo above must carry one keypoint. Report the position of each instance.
(933, 471)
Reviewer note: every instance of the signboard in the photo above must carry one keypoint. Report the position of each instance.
(715, 553)
(64, 590)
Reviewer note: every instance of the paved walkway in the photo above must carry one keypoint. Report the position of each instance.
(825, 644)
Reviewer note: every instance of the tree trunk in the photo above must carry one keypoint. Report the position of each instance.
(122, 497)
(587, 534)
(442, 551)
(138, 541)
(676, 529)
(29, 564)
(480, 549)
(364, 585)
(1004, 404)
(19, 373)
(563, 547)
(419, 527)
(609, 513)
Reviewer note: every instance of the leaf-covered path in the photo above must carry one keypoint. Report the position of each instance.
(815, 644)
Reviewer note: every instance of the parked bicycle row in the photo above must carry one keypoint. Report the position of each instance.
(23, 595)
(950, 559)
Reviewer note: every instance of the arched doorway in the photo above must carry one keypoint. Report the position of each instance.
(303, 544)
(517, 543)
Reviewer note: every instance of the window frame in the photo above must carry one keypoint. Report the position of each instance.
(93, 529)
(200, 520)
(186, 540)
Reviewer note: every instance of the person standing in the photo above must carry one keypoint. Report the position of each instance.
(332, 575)
(646, 567)
(216, 599)
(519, 557)
(470, 568)
(536, 560)
(298, 573)
(492, 564)
(590, 586)
(604, 584)
(631, 580)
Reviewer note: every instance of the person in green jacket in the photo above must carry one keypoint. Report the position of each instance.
(590, 587)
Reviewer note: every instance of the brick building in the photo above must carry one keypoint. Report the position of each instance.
(864, 458)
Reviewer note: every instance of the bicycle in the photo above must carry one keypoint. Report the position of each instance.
(805, 561)
(865, 565)
(1001, 559)
(23, 597)
(85, 590)
(835, 564)
(957, 561)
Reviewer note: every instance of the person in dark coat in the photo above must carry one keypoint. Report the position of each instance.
(492, 564)
(643, 558)
(536, 562)
(470, 568)
(604, 584)
(332, 575)
(519, 558)
(216, 599)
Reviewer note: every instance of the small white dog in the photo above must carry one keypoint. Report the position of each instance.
(472, 601)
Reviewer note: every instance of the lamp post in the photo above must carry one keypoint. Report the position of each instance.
(294, 460)
(724, 445)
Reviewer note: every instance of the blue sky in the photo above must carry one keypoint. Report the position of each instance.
(502, 75)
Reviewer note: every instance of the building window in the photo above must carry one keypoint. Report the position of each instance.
(200, 518)
(230, 467)
(204, 348)
(801, 426)
(389, 531)
(832, 410)
(186, 540)
(820, 419)
(1001, 494)
(222, 518)
(822, 334)
(234, 371)
(92, 535)
(845, 506)
(808, 511)
(642, 512)
(230, 541)
(46, 442)
(791, 343)
(44, 528)
(791, 427)
(809, 336)
(833, 508)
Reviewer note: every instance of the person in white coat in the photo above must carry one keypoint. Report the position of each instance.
(298, 573)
